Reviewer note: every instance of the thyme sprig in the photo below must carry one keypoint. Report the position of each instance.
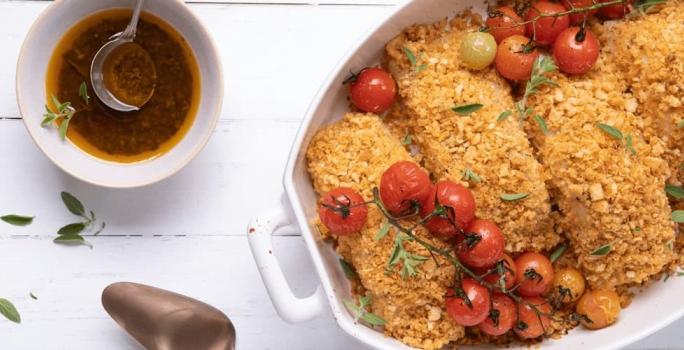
(62, 113)
(360, 313)
(72, 233)
(542, 66)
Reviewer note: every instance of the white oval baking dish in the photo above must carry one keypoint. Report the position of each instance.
(651, 310)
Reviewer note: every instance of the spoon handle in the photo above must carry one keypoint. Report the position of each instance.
(129, 32)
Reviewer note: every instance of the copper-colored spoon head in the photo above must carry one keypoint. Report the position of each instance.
(163, 320)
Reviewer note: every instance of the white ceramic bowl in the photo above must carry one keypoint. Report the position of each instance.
(31, 72)
(650, 311)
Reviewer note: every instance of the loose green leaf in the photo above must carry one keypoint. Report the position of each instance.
(514, 196)
(33, 296)
(17, 220)
(610, 130)
(83, 92)
(413, 60)
(63, 128)
(466, 109)
(680, 274)
(373, 319)
(407, 140)
(72, 229)
(542, 124)
(504, 115)
(360, 313)
(680, 124)
(630, 145)
(602, 250)
(384, 229)
(675, 191)
(349, 270)
(73, 204)
(470, 175)
(558, 252)
(8, 310)
(678, 216)
(72, 240)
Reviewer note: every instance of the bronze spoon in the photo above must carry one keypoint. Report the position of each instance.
(163, 320)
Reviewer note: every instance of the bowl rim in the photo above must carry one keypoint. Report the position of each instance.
(198, 147)
(297, 210)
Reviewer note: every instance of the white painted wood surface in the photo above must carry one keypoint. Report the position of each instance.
(187, 233)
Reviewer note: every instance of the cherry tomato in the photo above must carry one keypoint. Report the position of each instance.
(478, 50)
(482, 244)
(473, 310)
(578, 18)
(342, 211)
(545, 30)
(459, 209)
(508, 266)
(568, 285)
(600, 307)
(503, 22)
(616, 11)
(530, 324)
(575, 50)
(535, 274)
(501, 317)
(404, 188)
(515, 58)
(373, 90)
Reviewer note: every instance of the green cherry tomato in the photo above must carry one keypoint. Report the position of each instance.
(478, 50)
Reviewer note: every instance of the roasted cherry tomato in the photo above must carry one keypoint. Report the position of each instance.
(470, 305)
(545, 30)
(404, 188)
(616, 11)
(507, 265)
(575, 50)
(568, 285)
(372, 90)
(458, 206)
(578, 18)
(503, 22)
(530, 323)
(478, 50)
(599, 308)
(501, 317)
(482, 244)
(515, 58)
(342, 211)
(535, 274)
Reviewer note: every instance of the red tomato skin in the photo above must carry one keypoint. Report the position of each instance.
(527, 315)
(486, 252)
(615, 11)
(402, 186)
(575, 57)
(509, 276)
(510, 62)
(334, 220)
(542, 265)
(462, 313)
(506, 319)
(460, 204)
(578, 18)
(547, 28)
(373, 90)
(504, 25)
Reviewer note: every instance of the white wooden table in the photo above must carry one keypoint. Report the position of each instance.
(186, 234)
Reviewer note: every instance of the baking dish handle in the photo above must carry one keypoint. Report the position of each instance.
(291, 308)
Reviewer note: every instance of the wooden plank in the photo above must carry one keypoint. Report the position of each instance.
(274, 57)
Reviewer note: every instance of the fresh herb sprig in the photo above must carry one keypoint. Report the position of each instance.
(413, 60)
(361, 313)
(72, 233)
(618, 135)
(542, 66)
(63, 113)
(83, 92)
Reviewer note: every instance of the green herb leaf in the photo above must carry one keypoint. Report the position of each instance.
(55, 101)
(466, 109)
(514, 196)
(630, 145)
(8, 310)
(558, 252)
(48, 119)
(384, 229)
(675, 191)
(72, 229)
(73, 204)
(63, 128)
(373, 319)
(470, 175)
(678, 216)
(83, 92)
(407, 140)
(413, 60)
(602, 250)
(680, 124)
(610, 130)
(421, 68)
(504, 115)
(680, 274)
(349, 270)
(636, 229)
(359, 312)
(72, 240)
(33, 296)
(542, 124)
(17, 220)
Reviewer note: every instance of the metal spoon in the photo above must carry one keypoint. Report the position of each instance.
(97, 68)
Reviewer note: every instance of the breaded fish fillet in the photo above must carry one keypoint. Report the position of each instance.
(354, 153)
(608, 195)
(498, 152)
